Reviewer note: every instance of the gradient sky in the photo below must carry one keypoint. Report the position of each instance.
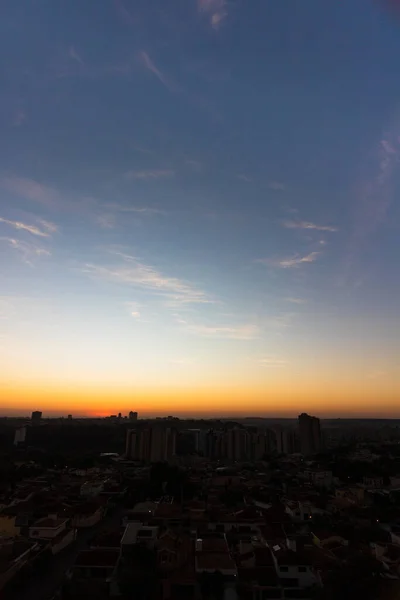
(199, 207)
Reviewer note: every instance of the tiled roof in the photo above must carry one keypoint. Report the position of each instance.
(214, 544)
(288, 557)
(97, 558)
(215, 561)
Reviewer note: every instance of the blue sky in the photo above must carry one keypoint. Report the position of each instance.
(205, 190)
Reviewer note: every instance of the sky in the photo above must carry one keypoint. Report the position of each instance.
(199, 207)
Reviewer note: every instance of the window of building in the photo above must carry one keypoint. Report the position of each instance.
(302, 569)
(284, 569)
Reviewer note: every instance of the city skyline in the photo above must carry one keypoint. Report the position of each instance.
(199, 217)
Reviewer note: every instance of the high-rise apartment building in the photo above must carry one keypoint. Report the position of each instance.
(310, 434)
(151, 444)
(259, 444)
(36, 417)
(133, 416)
(237, 442)
(285, 440)
(20, 436)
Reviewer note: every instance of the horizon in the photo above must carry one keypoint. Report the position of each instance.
(201, 215)
(26, 414)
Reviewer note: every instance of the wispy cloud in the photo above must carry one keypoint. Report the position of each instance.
(133, 272)
(377, 374)
(375, 197)
(288, 263)
(181, 361)
(244, 177)
(215, 10)
(29, 189)
(26, 250)
(150, 174)
(105, 221)
(148, 64)
(73, 54)
(296, 300)
(234, 332)
(272, 362)
(377, 194)
(124, 13)
(277, 186)
(31, 228)
(308, 225)
(19, 118)
(141, 210)
(48, 226)
(195, 164)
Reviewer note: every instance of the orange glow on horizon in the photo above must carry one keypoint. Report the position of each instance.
(284, 400)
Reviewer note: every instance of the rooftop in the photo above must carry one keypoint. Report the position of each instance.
(49, 522)
(213, 544)
(288, 557)
(97, 558)
(215, 561)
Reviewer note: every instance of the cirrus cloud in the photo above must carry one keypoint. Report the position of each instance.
(215, 10)
(50, 227)
(308, 225)
(291, 262)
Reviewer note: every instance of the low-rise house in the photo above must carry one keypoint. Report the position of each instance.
(92, 488)
(137, 533)
(55, 531)
(320, 478)
(212, 554)
(298, 511)
(294, 568)
(173, 550)
(91, 574)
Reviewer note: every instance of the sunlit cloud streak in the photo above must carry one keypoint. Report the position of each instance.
(141, 210)
(26, 250)
(296, 300)
(150, 174)
(215, 10)
(148, 64)
(29, 189)
(288, 263)
(73, 54)
(31, 228)
(272, 362)
(233, 332)
(135, 273)
(308, 225)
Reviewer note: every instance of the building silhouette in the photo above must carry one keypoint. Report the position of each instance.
(20, 436)
(237, 443)
(151, 444)
(310, 434)
(285, 440)
(36, 417)
(133, 416)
